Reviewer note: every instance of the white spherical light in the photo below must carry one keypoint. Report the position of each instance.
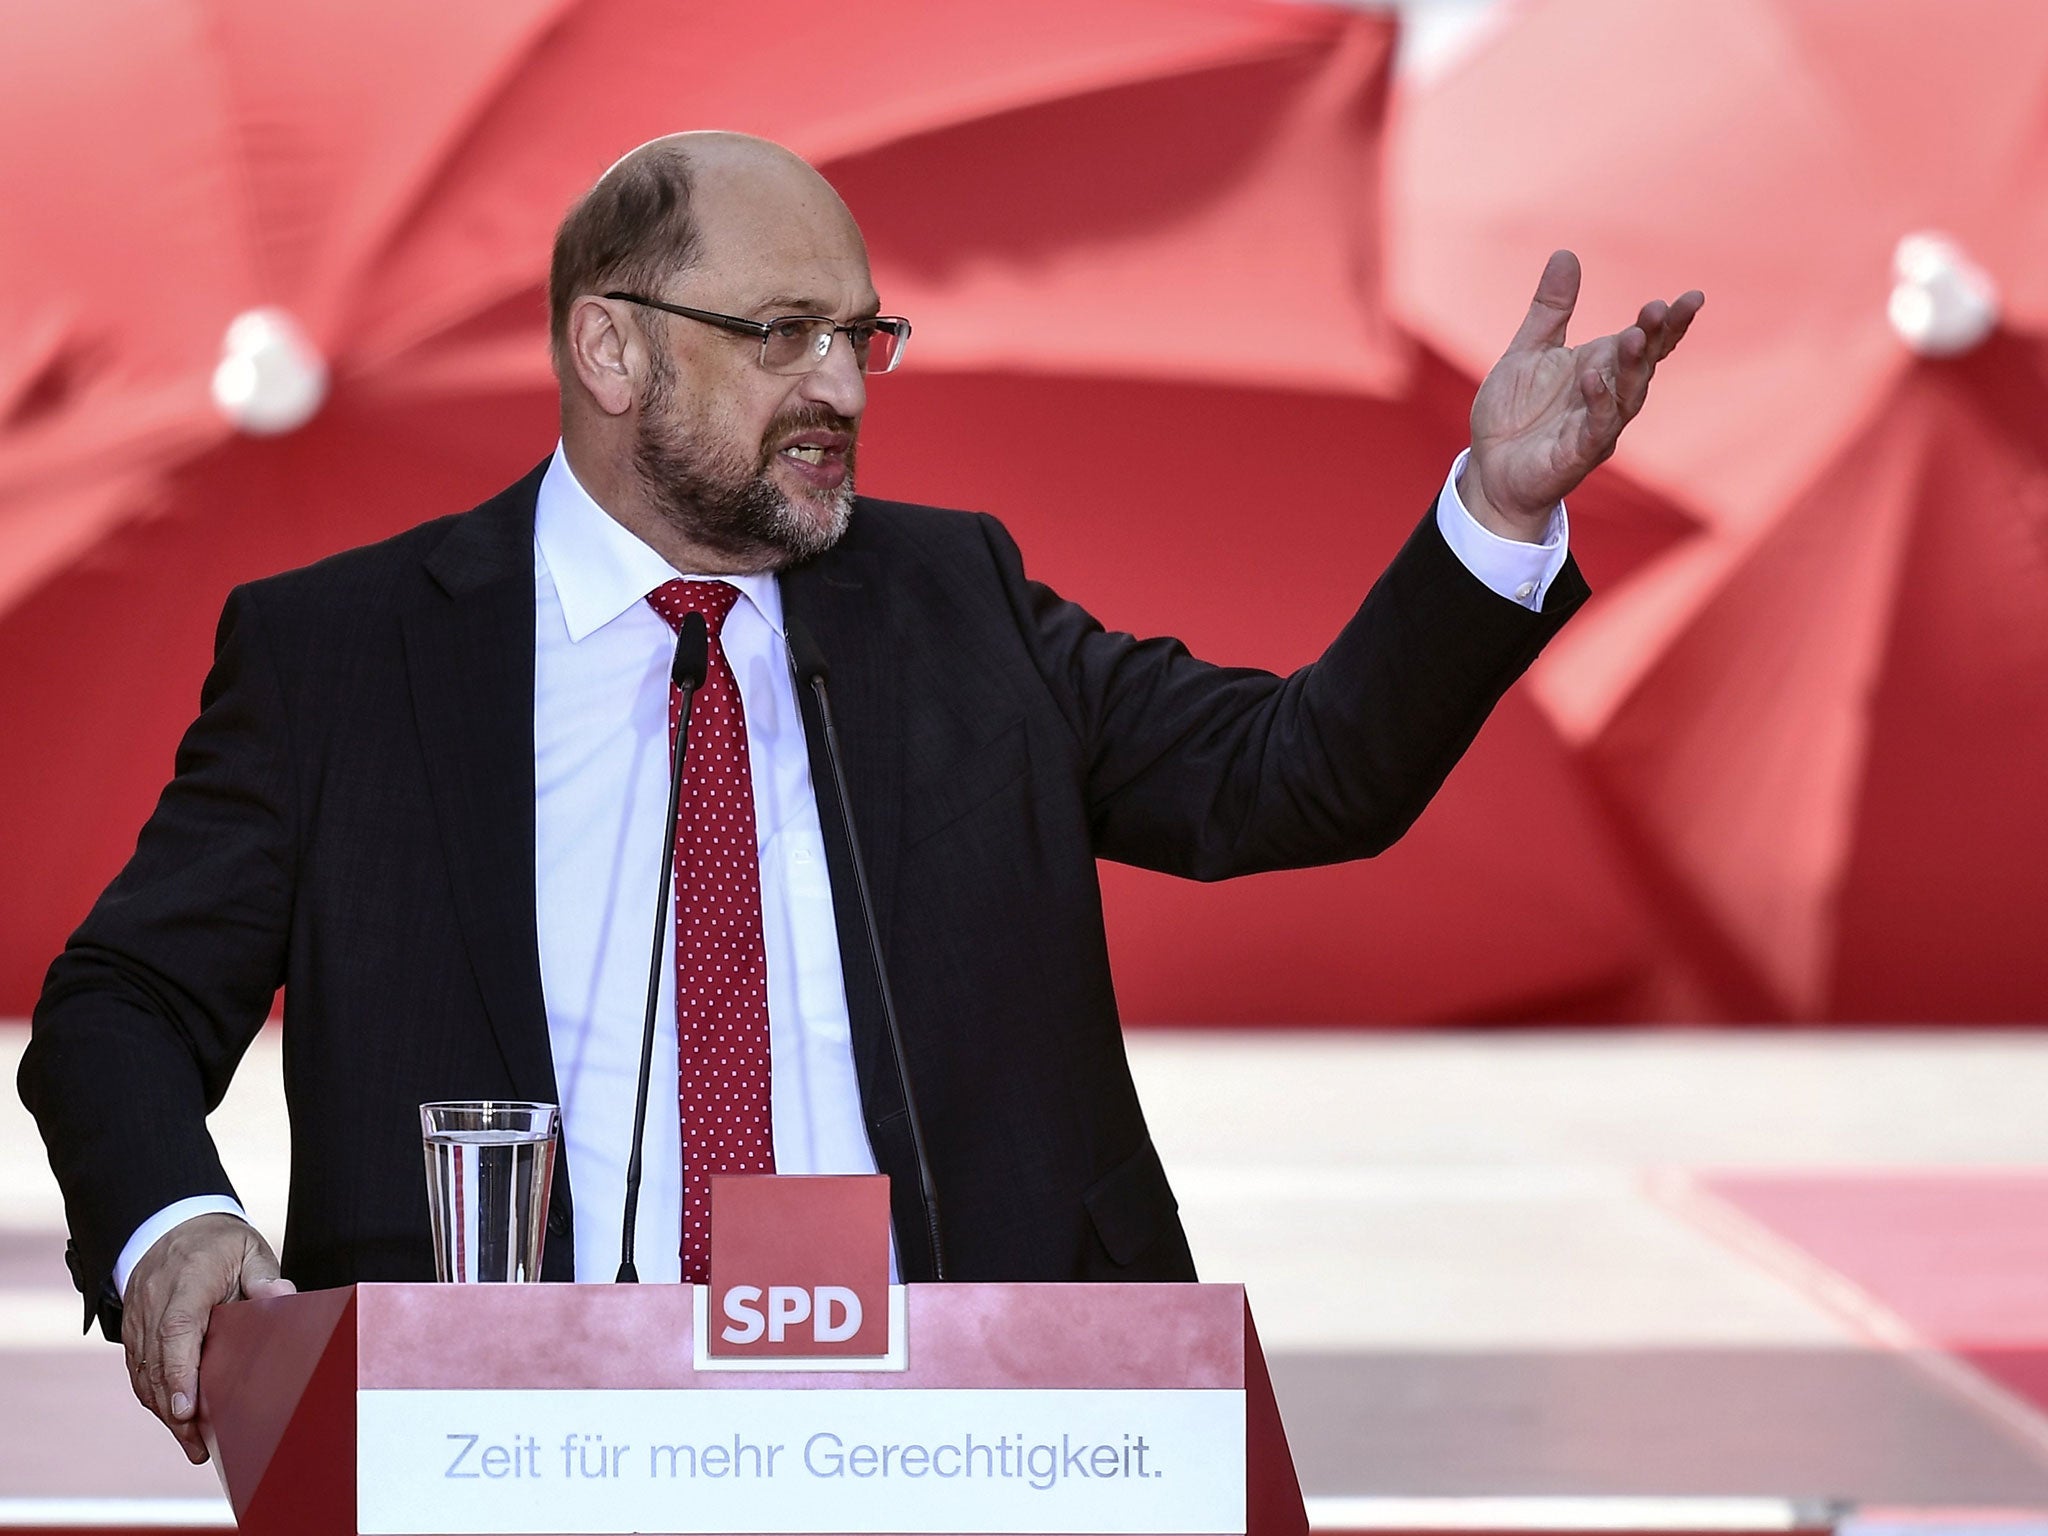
(271, 378)
(1943, 304)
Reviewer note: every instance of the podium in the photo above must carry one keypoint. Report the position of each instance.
(464, 1409)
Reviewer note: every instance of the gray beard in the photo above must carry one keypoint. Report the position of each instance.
(725, 505)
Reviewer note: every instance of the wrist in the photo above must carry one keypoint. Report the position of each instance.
(1524, 527)
(161, 1225)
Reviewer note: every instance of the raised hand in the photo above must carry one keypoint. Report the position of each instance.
(189, 1271)
(1548, 413)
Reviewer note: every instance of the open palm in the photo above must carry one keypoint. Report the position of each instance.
(1548, 413)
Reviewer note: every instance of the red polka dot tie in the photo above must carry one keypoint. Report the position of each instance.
(721, 964)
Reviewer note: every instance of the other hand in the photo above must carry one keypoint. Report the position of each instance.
(171, 1295)
(1548, 414)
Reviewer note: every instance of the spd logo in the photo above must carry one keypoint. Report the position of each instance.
(833, 1311)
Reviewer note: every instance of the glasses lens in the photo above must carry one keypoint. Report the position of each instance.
(796, 343)
(881, 347)
(800, 343)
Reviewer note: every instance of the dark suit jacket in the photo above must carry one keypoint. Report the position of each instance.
(352, 818)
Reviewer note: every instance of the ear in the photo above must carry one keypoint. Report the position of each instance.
(606, 353)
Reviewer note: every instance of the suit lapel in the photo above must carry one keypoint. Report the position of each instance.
(469, 660)
(838, 599)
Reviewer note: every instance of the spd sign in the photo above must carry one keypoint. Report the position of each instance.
(799, 1265)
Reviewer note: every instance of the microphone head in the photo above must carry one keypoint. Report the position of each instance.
(693, 652)
(803, 652)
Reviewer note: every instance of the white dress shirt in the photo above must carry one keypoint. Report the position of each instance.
(601, 775)
(600, 758)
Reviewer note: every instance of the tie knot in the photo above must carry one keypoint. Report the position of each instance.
(713, 599)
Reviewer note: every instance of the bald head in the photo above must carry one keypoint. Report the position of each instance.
(650, 216)
(716, 153)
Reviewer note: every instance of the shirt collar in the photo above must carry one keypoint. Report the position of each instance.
(601, 570)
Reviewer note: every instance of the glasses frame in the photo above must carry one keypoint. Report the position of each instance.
(895, 325)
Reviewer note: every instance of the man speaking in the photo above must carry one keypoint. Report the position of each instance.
(426, 794)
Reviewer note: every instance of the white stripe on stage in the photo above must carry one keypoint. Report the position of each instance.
(1560, 1513)
(115, 1514)
(1324, 1514)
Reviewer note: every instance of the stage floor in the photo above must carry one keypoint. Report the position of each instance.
(1796, 1266)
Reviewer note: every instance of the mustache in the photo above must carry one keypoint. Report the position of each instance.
(805, 418)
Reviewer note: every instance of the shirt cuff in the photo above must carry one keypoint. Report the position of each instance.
(172, 1215)
(1521, 573)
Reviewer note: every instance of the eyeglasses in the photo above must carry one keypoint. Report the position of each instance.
(801, 343)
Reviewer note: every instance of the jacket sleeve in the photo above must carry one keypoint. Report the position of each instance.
(1210, 771)
(159, 992)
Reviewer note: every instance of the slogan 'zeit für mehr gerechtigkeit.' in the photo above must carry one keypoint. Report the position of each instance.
(1040, 1464)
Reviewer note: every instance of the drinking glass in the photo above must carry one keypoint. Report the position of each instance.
(490, 1165)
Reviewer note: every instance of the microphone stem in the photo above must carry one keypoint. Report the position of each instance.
(867, 913)
(628, 1274)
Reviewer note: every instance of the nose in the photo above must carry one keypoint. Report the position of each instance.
(837, 382)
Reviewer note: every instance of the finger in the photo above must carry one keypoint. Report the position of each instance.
(139, 1380)
(1665, 324)
(174, 1367)
(141, 1317)
(134, 1342)
(1679, 320)
(154, 1392)
(1595, 391)
(179, 1338)
(1634, 363)
(1557, 295)
(145, 1379)
(1603, 415)
(1651, 320)
(1657, 330)
(192, 1441)
(149, 1354)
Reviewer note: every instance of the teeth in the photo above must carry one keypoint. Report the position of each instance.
(810, 455)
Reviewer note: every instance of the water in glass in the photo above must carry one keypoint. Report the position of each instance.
(489, 1169)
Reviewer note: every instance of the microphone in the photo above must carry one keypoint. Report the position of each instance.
(686, 674)
(809, 665)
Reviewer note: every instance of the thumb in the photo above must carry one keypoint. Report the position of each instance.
(260, 1275)
(1557, 295)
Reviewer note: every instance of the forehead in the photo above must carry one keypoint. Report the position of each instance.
(777, 238)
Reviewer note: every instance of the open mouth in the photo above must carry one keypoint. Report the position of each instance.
(820, 459)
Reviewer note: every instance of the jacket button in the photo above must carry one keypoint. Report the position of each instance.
(558, 1222)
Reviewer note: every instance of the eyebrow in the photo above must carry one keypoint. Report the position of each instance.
(797, 304)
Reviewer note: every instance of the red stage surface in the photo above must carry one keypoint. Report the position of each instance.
(1955, 1262)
